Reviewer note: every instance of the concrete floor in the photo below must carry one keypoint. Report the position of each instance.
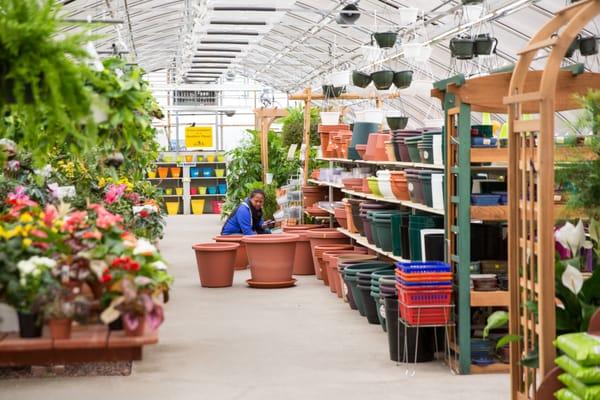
(245, 344)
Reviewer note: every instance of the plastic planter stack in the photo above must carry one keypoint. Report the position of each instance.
(424, 292)
(581, 365)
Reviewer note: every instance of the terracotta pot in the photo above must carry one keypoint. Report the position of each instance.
(348, 182)
(139, 329)
(241, 258)
(271, 257)
(60, 328)
(321, 264)
(324, 236)
(215, 263)
(312, 195)
(301, 227)
(329, 259)
(303, 261)
(361, 149)
(376, 147)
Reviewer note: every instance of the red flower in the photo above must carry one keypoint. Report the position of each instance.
(74, 220)
(125, 263)
(50, 214)
(92, 235)
(39, 234)
(144, 213)
(106, 277)
(114, 193)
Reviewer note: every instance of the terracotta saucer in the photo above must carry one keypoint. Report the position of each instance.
(270, 285)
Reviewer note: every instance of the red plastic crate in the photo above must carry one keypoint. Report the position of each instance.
(418, 305)
(425, 316)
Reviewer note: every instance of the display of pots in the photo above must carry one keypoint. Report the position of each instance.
(324, 236)
(215, 263)
(396, 123)
(588, 45)
(361, 79)
(385, 39)
(402, 80)
(241, 258)
(485, 44)
(330, 91)
(383, 79)
(60, 328)
(271, 257)
(30, 325)
(462, 48)
(376, 147)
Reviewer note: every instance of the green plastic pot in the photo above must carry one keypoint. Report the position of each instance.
(383, 79)
(403, 79)
(397, 232)
(413, 150)
(385, 39)
(361, 79)
(485, 44)
(349, 275)
(462, 48)
(416, 224)
(425, 177)
(396, 123)
(361, 132)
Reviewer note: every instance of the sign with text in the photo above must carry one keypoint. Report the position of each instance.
(198, 136)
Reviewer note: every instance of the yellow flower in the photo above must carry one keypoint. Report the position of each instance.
(7, 235)
(101, 182)
(27, 242)
(26, 218)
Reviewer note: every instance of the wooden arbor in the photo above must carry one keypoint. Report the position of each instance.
(531, 187)
(264, 117)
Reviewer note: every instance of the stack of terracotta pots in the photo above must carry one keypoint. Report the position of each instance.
(340, 215)
(313, 194)
(340, 262)
(215, 263)
(241, 259)
(322, 237)
(349, 219)
(325, 132)
(303, 260)
(400, 185)
(376, 147)
(321, 265)
(271, 259)
(339, 143)
(330, 264)
(352, 183)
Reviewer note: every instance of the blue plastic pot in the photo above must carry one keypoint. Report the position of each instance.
(212, 190)
(222, 188)
(194, 172)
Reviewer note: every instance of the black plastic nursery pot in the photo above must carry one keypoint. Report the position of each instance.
(385, 39)
(402, 80)
(371, 308)
(383, 79)
(30, 325)
(361, 79)
(588, 45)
(351, 279)
(401, 337)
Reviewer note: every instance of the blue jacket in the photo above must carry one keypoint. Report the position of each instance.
(240, 222)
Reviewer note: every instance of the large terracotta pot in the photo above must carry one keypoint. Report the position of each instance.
(271, 257)
(322, 265)
(324, 236)
(215, 263)
(330, 262)
(303, 261)
(301, 227)
(346, 259)
(241, 258)
(312, 195)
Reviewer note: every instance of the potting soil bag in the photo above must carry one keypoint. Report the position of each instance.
(579, 388)
(581, 347)
(566, 394)
(587, 375)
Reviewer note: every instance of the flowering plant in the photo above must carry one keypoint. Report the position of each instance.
(34, 275)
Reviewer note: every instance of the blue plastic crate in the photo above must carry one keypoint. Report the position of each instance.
(485, 199)
(423, 267)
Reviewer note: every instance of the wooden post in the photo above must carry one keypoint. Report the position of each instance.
(306, 140)
(264, 117)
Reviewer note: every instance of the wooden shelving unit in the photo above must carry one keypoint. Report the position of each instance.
(397, 164)
(361, 240)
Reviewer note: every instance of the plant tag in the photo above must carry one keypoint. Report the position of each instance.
(382, 311)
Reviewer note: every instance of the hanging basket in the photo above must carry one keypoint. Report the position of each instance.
(330, 91)
(485, 44)
(588, 45)
(360, 79)
(396, 123)
(385, 39)
(383, 79)
(462, 48)
(402, 79)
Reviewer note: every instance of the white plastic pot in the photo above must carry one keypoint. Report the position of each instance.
(408, 15)
(437, 191)
(385, 187)
(373, 115)
(330, 118)
(339, 78)
(472, 12)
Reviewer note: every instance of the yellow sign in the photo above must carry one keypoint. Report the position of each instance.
(198, 136)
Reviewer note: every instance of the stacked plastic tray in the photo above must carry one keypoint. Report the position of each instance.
(424, 292)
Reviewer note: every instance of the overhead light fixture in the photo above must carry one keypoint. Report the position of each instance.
(349, 14)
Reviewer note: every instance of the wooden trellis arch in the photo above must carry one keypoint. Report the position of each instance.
(531, 186)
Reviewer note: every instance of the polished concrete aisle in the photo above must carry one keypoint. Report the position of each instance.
(244, 344)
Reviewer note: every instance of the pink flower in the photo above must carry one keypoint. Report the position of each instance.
(19, 198)
(105, 219)
(114, 193)
(54, 190)
(50, 215)
(74, 221)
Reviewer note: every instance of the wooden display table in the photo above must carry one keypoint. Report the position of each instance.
(89, 343)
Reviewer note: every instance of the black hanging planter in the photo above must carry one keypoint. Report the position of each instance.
(383, 79)
(485, 44)
(462, 48)
(29, 325)
(403, 79)
(469, 2)
(330, 91)
(574, 46)
(385, 39)
(588, 45)
(360, 79)
(396, 123)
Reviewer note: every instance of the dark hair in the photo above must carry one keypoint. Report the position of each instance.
(257, 191)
